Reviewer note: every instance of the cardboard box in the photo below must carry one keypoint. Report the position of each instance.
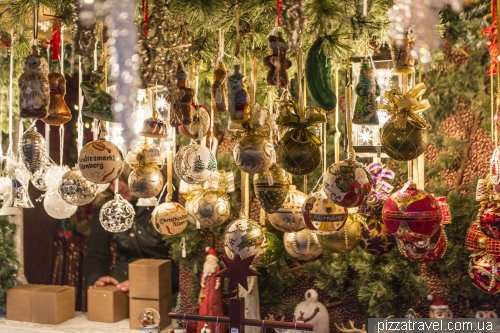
(107, 304)
(19, 302)
(150, 278)
(52, 304)
(163, 306)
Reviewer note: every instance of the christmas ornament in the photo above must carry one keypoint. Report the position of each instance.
(445, 210)
(154, 127)
(254, 153)
(245, 238)
(430, 249)
(288, 217)
(375, 239)
(117, 215)
(238, 97)
(367, 89)
(38, 178)
(277, 64)
(347, 183)
(32, 150)
(56, 207)
(485, 311)
(482, 190)
(84, 40)
(439, 309)
(194, 164)
(411, 214)
(313, 312)
(321, 215)
(101, 161)
(495, 167)
(483, 271)
(299, 151)
(345, 239)
(149, 320)
(58, 112)
(20, 178)
(219, 88)
(189, 206)
(169, 218)
(211, 208)
(99, 101)
(274, 250)
(489, 218)
(145, 180)
(403, 60)
(380, 191)
(144, 153)
(302, 245)
(404, 135)
(475, 239)
(76, 189)
(34, 88)
(181, 108)
(319, 78)
(200, 126)
(271, 188)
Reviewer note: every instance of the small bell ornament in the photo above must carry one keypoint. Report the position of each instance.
(313, 312)
(169, 218)
(219, 88)
(254, 153)
(302, 245)
(271, 188)
(288, 218)
(238, 97)
(194, 164)
(117, 215)
(76, 189)
(58, 112)
(245, 237)
(99, 101)
(145, 180)
(20, 177)
(101, 161)
(367, 89)
(34, 88)
(32, 150)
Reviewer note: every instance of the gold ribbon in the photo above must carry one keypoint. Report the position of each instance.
(406, 107)
(298, 125)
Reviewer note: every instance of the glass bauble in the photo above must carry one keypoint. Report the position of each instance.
(403, 144)
(102, 187)
(101, 161)
(345, 239)
(321, 215)
(427, 250)
(274, 250)
(302, 245)
(117, 215)
(288, 217)
(271, 188)
(32, 150)
(145, 181)
(299, 157)
(347, 183)
(56, 207)
(200, 126)
(245, 238)
(211, 208)
(38, 178)
(254, 153)
(76, 189)
(194, 164)
(375, 239)
(147, 202)
(484, 273)
(489, 220)
(169, 218)
(20, 180)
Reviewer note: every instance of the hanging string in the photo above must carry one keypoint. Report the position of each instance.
(80, 106)
(35, 21)
(279, 9)
(237, 26)
(170, 184)
(365, 8)
(11, 82)
(337, 131)
(350, 149)
(145, 10)
(245, 195)
(253, 78)
(220, 55)
(61, 144)
(299, 79)
(61, 36)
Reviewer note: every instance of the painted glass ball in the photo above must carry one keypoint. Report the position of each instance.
(483, 271)
(211, 208)
(117, 215)
(245, 237)
(345, 239)
(101, 161)
(274, 250)
(302, 245)
(288, 217)
(299, 157)
(145, 181)
(169, 218)
(76, 189)
(254, 153)
(427, 250)
(271, 188)
(403, 144)
(375, 239)
(194, 164)
(56, 207)
(321, 215)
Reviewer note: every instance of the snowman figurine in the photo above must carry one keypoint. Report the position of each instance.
(313, 312)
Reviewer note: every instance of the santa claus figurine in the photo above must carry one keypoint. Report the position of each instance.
(210, 298)
(439, 309)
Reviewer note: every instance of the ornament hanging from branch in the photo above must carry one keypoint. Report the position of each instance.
(99, 101)
(34, 86)
(277, 63)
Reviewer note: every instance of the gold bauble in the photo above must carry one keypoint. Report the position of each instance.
(345, 239)
(403, 144)
(271, 188)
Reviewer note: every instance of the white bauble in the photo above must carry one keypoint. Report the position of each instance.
(145, 181)
(288, 217)
(245, 238)
(56, 207)
(211, 208)
(321, 215)
(254, 153)
(302, 245)
(169, 218)
(194, 164)
(117, 215)
(101, 161)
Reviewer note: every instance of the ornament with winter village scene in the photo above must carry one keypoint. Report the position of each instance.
(254, 153)
(169, 218)
(302, 245)
(288, 217)
(101, 161)
(321, 215)
(76, 189)
(145, 180)
(194, 164)
(271, 188)
(34, 87)
(245, 238)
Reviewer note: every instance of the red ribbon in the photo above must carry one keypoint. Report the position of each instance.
(493, 40)
(145, 11)
(279, 8)
(55, 42)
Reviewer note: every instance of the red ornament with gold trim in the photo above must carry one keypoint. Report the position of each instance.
(490, 221)
(412, 215)
(430, 249)
(321, 215)
(484, 271)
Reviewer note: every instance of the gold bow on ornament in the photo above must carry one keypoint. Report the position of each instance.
(299, 126)
(406, 107)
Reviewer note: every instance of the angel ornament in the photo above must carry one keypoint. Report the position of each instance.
(34, 86)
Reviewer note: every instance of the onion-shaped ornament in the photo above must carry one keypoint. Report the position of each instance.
(245, 238)
(38, 178)
(347, 183)
(194, 164)
(76, 189)
(254, 153)
(484, 273)
(271, 188)
(288, 218)
(302, 245)
(32, 150)
(56, 207)
(375, 238)
(169, 218)
(211, 208)
(117, 215)
(101, 161)
(274, 250)
(321, 215)
(145, 181)
(345, 239)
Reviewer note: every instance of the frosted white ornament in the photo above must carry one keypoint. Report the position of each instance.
(102, 187)
(147, 202)
(117, 215)
(307, 311)
(245, 238)
(211, 208)
(288, 217)
(302, 245)
(56, 207)
(254, 153)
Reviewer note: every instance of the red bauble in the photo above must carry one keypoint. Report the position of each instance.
(428, 250)
(412, 215)
(490, 221)
(484, 271)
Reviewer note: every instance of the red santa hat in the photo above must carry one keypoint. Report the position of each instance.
(211, 253)
(437, 302)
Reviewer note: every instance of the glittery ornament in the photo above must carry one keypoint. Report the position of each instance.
(211, 208)
(149, 320)
(58, 112)
(271, 188)
(199, 126)
(345, 239)
(194, 164)
(117, 215)
(219, 88)
(288, 217)
(102, 187)
(321, 215)
(273, 252)
(245, 238)
(429, 249)
(34, 88)
(189, 206)
(484, 273)
(302, 245)
(169, 218)
(38, 178)
(367, 89)
(375, 239)
(380, 191)
(347, 183)
(32, 150)
(76, 189)
(101, 161)
(56, 207)
(145, 181)
(254, 153)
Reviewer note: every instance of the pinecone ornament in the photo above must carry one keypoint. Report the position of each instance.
(32, 150)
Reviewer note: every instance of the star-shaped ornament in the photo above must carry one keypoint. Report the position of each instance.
(237, 271)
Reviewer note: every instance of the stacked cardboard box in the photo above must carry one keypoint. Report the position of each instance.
(107, 304)
(150, 287)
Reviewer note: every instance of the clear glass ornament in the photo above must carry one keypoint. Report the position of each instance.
(117, 215)
(38, 177)
(56, 207)
(147, 202)
(76, 189)
(149, 320)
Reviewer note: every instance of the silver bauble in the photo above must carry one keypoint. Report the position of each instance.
(76, 189)
(117, 215)
(32, 150)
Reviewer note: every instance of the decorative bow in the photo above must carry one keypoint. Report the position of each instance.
(445, 210)
(220, 181)
(406, 107)
(492, 41)
(300, 126)
(380, 177)
(475, 240)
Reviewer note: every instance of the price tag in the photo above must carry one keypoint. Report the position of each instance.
(235, 330)
(153, 152)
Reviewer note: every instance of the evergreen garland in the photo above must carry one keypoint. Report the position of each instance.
(8, 262)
